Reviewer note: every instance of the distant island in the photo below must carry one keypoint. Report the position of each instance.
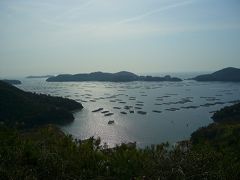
(122, 76)
(14, 82)
(28, 109)
(227, 74)
(44, 76)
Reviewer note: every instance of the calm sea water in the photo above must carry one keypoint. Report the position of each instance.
(173, 109)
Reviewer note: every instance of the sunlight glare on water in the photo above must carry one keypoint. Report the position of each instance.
(145, 112)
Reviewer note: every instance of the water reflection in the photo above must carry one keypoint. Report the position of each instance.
(145, 112)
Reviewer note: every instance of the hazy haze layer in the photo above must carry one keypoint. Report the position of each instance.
(51, 37)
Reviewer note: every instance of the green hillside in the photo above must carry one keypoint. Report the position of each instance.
(27, 109)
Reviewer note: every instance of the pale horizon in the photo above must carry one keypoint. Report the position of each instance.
(173, 74)
(140, 36)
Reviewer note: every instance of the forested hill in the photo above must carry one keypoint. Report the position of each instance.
(28, 109)
(11, 81)
(47, 153)
(227, 74)
(122, 76)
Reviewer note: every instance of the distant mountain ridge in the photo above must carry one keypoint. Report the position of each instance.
(230, 74)
(44, 76)
(122, 76)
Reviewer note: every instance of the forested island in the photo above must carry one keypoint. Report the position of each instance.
(227, 74)
(122, 76)
(43, 151)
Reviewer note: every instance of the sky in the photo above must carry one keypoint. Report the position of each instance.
(141, 36)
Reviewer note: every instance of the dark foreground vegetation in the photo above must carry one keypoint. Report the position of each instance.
(46, 153)
(25, 109)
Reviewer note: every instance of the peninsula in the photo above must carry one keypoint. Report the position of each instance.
(229, 74)
(26, 109)
(122, 76)
(13, 82)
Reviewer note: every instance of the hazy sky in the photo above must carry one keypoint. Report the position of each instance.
(72, 36)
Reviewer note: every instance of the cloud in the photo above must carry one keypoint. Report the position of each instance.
(128, 31)
(123, 29)
(149, 13)
(74, 11)
(56, 14)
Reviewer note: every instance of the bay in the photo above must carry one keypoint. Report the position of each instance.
(143, 112)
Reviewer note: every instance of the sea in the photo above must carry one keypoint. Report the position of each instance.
(143, 112)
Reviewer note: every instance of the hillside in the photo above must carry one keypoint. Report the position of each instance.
(14, 82)
(47, 153)
(122, 76)
(227, 74)
(27, 109)
(228, 114)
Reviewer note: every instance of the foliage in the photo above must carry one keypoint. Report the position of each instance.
(229, 113)
(31, 109)
(46, 153)
(223, 137)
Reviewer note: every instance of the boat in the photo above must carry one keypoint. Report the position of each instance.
(110, 122)
(142, 112)
(97, 110)
(109, 114)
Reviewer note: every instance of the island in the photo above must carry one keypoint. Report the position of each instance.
(13, 82)
(26, 109)
(229, 74)
(39, 77)
(122, 76)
